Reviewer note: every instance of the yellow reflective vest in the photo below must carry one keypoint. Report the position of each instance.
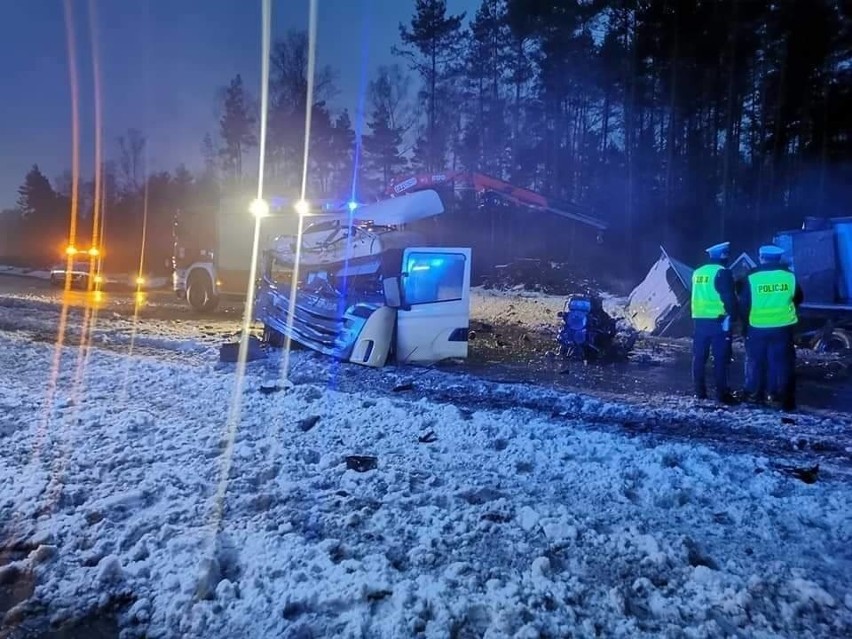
(706, 301)
(772, 294)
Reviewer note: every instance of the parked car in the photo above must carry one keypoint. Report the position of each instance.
(82, 270)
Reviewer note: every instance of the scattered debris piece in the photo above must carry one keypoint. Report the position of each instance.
(428, 438)
(268, 388)
(807, 475)
(361, 463)
(403, 386)
(587, 332)
(308, 423)
(231, 352)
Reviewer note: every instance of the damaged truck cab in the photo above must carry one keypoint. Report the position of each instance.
(367, 290)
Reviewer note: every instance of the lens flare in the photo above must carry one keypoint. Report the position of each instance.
(294, 284)
(259, 208)
(302, 207)
(239, 377)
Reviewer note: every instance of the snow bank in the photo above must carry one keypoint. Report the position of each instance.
(490, 522)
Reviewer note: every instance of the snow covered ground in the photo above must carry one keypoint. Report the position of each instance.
(493, 510)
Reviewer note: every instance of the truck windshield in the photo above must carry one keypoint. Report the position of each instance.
(278, 272)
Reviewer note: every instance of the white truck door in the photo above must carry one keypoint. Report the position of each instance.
(436, 291)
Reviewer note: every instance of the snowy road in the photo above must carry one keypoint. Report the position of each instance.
(495, 510)
(514, 331)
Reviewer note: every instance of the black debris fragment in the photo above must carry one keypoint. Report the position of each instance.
(807, 475)
(308, 423)
(497, 517)
(697, 556)
(428, 438)
(230, 352)
(403, 386)
(361, 463)
(379, 595)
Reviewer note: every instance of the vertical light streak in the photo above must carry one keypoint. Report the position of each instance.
(312, 59)
(137, 298)
(239, 378)
(53, 379)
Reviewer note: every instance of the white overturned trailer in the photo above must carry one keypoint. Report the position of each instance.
(366, 289)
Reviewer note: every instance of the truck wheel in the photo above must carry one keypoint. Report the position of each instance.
(199, 293)
(837, 340)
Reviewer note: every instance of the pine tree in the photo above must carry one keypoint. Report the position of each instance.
(36, 197)
(432, 44)
(209, 155)
(236, 127)
(487, 54)
(288, 108)
(383, 145)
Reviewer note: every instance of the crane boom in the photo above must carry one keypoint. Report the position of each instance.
(481, 183)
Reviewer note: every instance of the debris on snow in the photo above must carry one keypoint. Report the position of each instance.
(533, 514)
(307, 423)
(807, 475)
(361, 463)
(230, 353)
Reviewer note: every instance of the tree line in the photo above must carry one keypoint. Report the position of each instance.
(680, 123)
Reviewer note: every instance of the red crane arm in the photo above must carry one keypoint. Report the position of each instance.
(486, 184)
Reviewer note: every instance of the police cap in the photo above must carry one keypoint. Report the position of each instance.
(718, 250)
(771, 253)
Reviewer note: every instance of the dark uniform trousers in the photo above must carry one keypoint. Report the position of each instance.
(709, 337)
(771, 363)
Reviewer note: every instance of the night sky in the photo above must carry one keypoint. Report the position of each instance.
(162, 65)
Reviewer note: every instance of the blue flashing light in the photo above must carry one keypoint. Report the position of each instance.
(352, 205)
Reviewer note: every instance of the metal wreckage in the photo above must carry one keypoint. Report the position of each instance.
(367, 290)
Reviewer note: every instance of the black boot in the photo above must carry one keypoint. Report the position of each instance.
(727, 398)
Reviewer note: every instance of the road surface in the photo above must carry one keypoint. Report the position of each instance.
(657, 368)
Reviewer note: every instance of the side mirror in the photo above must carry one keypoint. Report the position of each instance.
(392, 288)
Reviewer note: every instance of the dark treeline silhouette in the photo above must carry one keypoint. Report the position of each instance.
(680, 123)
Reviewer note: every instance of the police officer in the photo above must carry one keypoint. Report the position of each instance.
(714, 307)
(769, 301)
